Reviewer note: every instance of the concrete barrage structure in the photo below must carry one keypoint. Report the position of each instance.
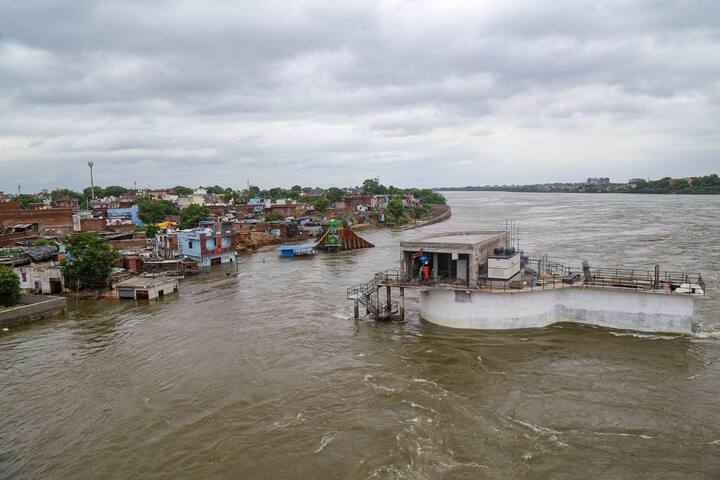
(475, 280)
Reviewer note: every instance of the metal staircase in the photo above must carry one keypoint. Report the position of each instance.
(367, 295)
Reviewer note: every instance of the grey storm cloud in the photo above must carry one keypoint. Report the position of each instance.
(322, 93)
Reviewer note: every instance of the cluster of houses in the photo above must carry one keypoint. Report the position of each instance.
(232, 227)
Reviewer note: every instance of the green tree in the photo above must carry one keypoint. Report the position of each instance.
(63, 193)
(191, 215)
(371, 185)
(26, 199)
(150, 230)
(277, 192)
(87, 193)
(321, 204)
(396, 211)
(90, 259)
(216, 189)
(115, 191)
(335, 194)
(9, 286)
(180, 190)
(295, 192)
(155, 211)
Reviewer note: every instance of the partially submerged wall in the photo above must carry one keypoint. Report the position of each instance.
(32, 308)
(640, 311)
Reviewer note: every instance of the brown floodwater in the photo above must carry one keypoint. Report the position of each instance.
(266, 376)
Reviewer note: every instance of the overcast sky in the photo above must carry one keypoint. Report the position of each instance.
(329, 93)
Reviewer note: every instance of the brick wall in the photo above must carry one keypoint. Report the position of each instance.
(55, 220)
(92, 224)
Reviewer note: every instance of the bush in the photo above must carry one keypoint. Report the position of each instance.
(9, 286)
(419, 211)
(43, 241)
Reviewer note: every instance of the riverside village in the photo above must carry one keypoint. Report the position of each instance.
(140, 243)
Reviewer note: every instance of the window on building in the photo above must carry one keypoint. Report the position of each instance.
(190, 245)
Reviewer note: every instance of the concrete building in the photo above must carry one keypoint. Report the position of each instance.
(147, 287)
(41, 279)
(125, 213)
(207, 247)
(452, 257)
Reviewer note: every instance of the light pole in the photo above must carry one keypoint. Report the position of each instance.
(92, 186)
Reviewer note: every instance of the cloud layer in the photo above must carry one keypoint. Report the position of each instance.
(321, 93)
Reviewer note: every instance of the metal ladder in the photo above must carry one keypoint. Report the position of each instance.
(364, 292)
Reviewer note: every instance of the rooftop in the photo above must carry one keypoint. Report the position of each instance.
(453, 239)
(145, 282)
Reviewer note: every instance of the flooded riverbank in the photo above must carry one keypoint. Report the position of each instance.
(264, 375)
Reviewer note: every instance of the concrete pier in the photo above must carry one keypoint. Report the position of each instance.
(626, 310)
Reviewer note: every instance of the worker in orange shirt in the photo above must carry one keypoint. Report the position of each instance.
(426, 272)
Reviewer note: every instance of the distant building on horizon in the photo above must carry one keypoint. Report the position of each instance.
(598, 181)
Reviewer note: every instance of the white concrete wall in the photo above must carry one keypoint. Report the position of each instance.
(646, 312)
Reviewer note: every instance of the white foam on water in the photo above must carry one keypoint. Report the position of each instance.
(384, 388)
(713, 334)
(299, 418)
(648, 336)
(535, 428)
(622, 434)
(417, 405)
(422, 380)
(325, 441)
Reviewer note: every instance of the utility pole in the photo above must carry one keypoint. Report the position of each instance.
(19, 187)
(92, 185)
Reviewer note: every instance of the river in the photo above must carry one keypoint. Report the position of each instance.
(265, 375)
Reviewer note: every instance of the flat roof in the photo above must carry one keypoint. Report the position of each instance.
(453, 239)
(145, 282)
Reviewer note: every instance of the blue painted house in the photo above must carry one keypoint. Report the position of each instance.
(129, 212)
(206, 246)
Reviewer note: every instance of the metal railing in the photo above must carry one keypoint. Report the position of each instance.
(363, 293)
(554, 276)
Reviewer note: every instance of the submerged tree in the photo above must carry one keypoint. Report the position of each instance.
(89, 259)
